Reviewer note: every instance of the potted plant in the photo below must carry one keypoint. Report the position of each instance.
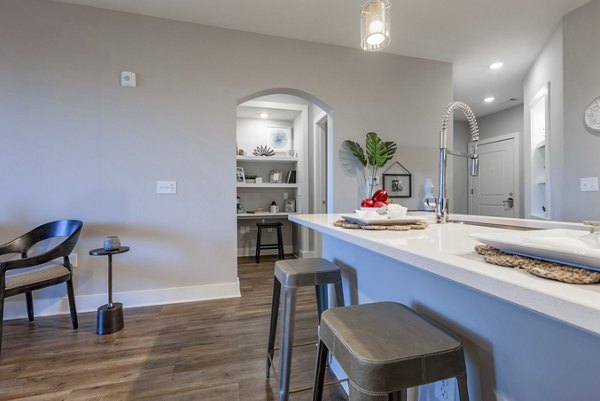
(375, 155)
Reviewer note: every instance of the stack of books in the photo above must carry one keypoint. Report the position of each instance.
(291, 177)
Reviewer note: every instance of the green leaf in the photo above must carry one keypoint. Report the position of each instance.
(357, 151)
(378, 152)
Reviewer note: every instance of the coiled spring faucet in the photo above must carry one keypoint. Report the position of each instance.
(441, 204)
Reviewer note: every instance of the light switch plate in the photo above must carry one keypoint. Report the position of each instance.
(589, 184)
(166, 187)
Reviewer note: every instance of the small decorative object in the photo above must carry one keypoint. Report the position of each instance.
(275, 177)
(259, 180)
(398, 185)
(591, 115)
(240, 208)
(240, 175)
(290, 153)
(241, 152)
(428, 189)
(263, 151)
(111, 243)
(290, 206)
(280, 138)
(377, 154)
(250, 179)
(274, 208)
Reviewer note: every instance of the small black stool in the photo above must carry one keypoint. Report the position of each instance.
(385, 348)
(289, 275)
(278, 245)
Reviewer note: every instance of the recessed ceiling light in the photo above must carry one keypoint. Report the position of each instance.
(489, 99)
(497, 66)
(264, 115)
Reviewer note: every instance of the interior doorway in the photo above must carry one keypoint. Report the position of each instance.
(318, 203)
(276, 179)
(495, 191)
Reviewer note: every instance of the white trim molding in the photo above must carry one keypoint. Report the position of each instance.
(15, 307)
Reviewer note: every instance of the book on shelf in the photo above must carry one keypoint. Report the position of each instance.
(291, 177)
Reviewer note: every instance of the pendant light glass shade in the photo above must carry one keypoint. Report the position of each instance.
(375, 25)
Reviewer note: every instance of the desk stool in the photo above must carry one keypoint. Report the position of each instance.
(289, 275)
(278, 245)
(385, 348)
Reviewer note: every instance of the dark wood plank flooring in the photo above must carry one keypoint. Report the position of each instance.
(210, 350)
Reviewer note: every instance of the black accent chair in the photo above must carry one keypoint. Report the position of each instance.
(40, 270)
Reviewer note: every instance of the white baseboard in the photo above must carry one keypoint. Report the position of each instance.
(307, 254)
(15, 307)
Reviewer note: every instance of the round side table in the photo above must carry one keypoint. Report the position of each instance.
(110, 316)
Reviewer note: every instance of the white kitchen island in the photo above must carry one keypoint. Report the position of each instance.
(526, 338)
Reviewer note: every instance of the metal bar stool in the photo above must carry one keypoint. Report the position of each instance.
(289, 275)
(278, 245)
(385, 348)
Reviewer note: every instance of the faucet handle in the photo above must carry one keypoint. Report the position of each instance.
(594, 225)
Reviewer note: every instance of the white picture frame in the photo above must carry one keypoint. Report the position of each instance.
(280, 138)
(240, 176)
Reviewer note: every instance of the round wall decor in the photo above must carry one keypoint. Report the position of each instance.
(591, 115)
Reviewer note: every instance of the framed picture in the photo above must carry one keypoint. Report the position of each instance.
(279, 138)
(241, 177)
(397, 185)
(276, 177)
(290, 206)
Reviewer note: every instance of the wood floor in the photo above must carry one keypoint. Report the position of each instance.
(208, 351)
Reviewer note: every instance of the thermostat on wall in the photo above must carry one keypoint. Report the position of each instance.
(128, 79)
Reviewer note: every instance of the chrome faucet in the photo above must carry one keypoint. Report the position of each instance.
(441, 204)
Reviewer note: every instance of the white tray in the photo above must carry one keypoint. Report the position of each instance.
(380, 221)
(571, 247)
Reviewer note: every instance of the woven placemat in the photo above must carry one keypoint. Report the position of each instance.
(398, 227)
(541, 268)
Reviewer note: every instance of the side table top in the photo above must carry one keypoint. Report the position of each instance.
(104, 252)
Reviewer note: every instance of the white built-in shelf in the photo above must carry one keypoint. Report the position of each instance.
(267, 159)
(540, 180)
(540, 144)
(267, 185)
(263, 215)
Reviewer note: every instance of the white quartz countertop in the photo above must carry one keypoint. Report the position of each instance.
(447, 250)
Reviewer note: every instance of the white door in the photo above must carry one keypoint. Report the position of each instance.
(492, 192)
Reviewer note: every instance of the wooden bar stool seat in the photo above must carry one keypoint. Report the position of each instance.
(260, 246)
(289, 276)
(385, 348)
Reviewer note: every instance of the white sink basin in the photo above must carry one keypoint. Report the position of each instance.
(571, 247)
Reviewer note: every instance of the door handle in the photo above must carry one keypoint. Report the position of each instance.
(510, 203)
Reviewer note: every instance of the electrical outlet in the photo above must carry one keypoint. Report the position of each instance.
(73, 259)
(589, 184)
(444, 390)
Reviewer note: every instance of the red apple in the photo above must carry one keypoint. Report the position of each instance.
(379, 204)
(380, 195)
(367, 203)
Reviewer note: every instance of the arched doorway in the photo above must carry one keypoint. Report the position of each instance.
(295, 178)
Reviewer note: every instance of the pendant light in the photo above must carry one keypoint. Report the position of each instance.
(375, 25)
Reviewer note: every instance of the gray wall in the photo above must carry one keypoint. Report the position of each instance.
(77, 145)
(581, 86)
(460, 170)
(548, 67)
(500, 123)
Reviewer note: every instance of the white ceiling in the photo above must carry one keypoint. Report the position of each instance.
(469, 33)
